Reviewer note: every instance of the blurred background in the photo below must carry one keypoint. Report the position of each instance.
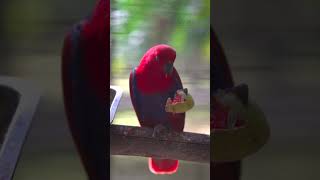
(138, 25)
(273, 46)
(31, 38)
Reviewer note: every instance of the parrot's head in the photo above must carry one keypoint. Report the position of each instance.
(155, 71)
(159, 60)
(164, 59)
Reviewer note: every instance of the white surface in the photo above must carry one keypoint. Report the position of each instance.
(19, 126)
(115, 102)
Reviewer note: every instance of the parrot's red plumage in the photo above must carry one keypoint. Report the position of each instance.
(151, 84)
(85, 71)
(221, 79)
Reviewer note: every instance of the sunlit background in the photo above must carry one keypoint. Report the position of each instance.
(273, 46)
(136, 26)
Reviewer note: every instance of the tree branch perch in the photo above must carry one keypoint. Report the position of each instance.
(138, 141)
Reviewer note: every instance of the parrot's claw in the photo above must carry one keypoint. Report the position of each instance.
(158, 130)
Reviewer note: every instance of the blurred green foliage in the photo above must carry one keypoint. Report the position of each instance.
(138, 25)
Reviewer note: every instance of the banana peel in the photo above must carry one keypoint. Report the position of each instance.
(180, 107)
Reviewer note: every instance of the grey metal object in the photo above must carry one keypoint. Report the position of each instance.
(115, 96)
(15, 134)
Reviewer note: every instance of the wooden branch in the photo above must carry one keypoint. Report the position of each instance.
(139, 141)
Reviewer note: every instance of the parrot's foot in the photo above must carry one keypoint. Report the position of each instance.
(159, 130)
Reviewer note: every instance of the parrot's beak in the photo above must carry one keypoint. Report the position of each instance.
(168, 69)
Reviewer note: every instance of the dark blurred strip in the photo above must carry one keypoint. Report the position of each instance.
(221, 78)
(4, 40)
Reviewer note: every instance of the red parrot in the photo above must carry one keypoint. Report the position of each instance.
(151, 84)
(85, 71)
(221, 78)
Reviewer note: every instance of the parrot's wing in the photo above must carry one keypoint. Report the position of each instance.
(134, 94)
(177, 120)
(70, 64)
(143, 105)
(177, 80)
(86, 113)
(85, 85)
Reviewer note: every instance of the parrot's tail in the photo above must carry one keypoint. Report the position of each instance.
(163, 166)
